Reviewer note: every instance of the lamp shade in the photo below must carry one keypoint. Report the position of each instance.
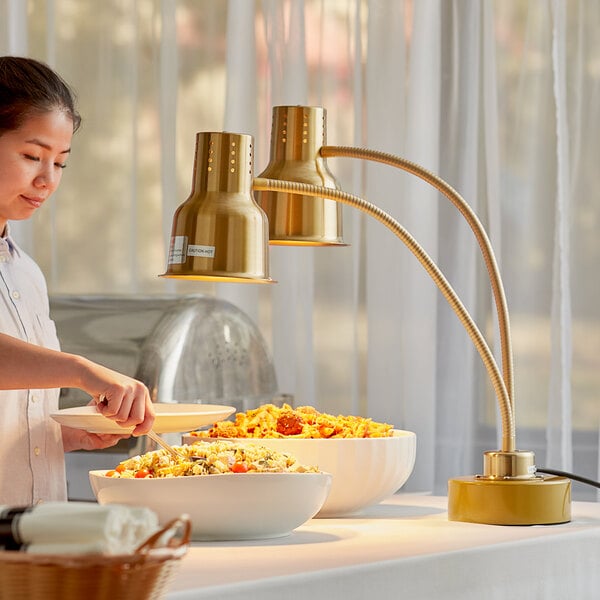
(220, 232)
(297, 134)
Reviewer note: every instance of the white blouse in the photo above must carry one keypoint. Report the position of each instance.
(32, 466)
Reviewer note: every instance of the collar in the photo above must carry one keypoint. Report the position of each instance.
(7, 244)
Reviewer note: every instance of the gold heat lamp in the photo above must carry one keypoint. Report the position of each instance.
(220, 233)
(296, 219)
(217, 235)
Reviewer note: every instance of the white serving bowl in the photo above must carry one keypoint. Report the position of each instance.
(365, 470)
(231, 506)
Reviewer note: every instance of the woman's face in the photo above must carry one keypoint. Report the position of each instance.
(32, 159)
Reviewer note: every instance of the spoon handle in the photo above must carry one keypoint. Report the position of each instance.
(153, 436)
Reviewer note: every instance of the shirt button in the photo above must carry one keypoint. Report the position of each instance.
(16, 295)
(36, 451)
(34, 398)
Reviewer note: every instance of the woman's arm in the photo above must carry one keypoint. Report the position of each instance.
(27, 366)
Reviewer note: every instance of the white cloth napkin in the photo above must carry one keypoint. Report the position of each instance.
(77, 528)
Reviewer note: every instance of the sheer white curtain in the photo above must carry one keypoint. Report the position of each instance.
(500, 98)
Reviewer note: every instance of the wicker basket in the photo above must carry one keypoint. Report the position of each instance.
(143, 575)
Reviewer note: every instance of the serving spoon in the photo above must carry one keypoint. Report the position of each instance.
(155, 437)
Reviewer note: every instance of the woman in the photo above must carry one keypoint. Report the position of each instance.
(37, 121)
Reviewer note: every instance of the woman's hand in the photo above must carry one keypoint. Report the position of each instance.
(121, 398)
(78, 439)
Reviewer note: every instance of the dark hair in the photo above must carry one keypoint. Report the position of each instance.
(28, 87)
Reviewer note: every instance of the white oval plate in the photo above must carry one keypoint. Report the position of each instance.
(170, 418)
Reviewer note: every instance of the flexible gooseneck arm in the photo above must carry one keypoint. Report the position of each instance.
(506, 411)
(474, 223)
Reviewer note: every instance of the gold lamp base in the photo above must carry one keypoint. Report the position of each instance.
(510, 493)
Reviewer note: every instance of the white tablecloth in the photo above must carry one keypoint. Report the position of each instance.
(405, 548)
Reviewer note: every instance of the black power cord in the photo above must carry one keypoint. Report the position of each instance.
(572, 476)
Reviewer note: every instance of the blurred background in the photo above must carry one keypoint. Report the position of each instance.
(500, 98)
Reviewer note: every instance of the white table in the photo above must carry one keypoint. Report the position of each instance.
(404, 548)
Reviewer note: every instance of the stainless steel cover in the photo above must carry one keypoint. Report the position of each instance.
(191, 348)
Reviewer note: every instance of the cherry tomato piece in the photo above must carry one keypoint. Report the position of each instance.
(142, 473)
(239, 467)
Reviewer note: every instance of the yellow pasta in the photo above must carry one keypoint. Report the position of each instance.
(270, 421)
(209, 458)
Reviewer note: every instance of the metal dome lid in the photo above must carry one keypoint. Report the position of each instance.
(206, 350)
(191, 348)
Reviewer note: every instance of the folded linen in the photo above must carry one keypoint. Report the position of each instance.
(76, 528)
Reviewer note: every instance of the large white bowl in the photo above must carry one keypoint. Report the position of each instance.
(365, 470)
(231, 506)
